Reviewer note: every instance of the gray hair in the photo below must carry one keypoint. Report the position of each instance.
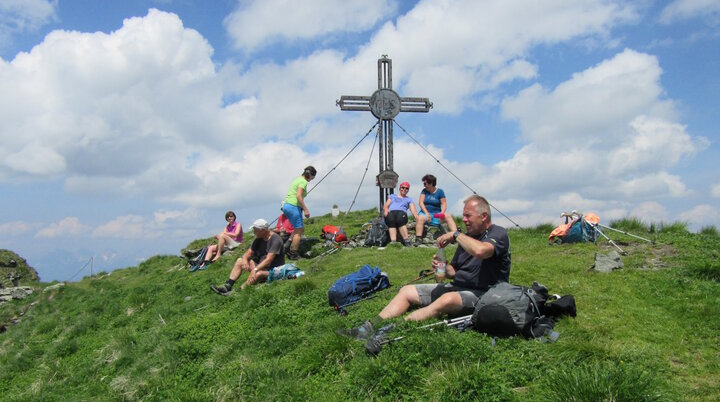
(481, 204)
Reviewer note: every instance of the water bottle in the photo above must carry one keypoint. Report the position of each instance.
(296, 275)
(441, 264)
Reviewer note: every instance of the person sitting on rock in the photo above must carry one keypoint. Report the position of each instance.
(395, 212)
(228, 239)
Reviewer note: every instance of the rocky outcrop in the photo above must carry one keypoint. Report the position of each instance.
(14, 293)
(14, 270)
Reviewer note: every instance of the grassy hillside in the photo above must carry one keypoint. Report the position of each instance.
(155, 332)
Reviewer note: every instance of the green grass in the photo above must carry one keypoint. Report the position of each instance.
(155, 332)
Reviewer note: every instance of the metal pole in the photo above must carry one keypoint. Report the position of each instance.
(625, 233)
(608, 239)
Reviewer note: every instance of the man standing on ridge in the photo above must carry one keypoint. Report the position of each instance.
(481, 260)
(265, 253)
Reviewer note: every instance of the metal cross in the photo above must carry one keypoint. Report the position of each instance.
(385, 104)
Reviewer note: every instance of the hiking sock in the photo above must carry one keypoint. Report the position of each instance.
(376, 321)
(229, 284)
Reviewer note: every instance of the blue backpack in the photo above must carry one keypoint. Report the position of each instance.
(357, 286)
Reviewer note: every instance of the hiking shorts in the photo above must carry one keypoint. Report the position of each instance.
(431, 220)
(396, 219)
(294, 214)
(230, 245)
(430, 292)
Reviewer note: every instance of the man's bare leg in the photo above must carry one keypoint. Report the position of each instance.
(449, 303)
(406, 297)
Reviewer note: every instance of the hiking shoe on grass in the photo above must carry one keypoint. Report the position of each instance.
(374, 344)
(222, 290)
(293, 255)
(406, 243)
(361, 333)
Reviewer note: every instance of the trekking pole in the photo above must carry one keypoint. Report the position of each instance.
(421, 275)
(626, 233)
(341, 309)
(608, 239)
(374, 346)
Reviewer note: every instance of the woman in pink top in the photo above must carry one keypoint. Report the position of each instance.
(228, 239)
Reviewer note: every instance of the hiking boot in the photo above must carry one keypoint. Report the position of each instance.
(374, 344)
(361, 333)
(222, 290)
(293, 255)
(406, 243)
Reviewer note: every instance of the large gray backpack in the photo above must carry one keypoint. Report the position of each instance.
(377, 234)
(507, 310)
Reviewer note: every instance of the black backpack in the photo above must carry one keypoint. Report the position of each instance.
(507, 310)
(378, 234)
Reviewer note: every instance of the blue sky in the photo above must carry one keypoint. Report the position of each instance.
(128, 128)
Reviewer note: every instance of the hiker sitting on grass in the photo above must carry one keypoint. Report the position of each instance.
(265, 253)
(395, 212)
(481, 260)
(229, 239)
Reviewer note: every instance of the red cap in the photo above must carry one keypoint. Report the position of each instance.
(405, 184)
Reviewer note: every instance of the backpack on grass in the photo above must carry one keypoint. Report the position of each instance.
(356, 286)
(196, 262)
(337, 235)
(508, 310)
(377, 234)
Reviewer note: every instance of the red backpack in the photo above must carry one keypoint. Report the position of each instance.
(334, 233)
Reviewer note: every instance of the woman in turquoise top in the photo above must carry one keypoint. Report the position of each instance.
(294, 207)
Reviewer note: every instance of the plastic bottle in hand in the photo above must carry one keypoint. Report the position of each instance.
(440, 266)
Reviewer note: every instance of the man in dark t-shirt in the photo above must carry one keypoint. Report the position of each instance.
(482, 259)
(265, 253)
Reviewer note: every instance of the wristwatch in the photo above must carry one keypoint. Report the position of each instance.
(456, 234)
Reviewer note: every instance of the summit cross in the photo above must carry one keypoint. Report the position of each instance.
(385, 104)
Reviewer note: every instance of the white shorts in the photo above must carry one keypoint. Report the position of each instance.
(231, 245)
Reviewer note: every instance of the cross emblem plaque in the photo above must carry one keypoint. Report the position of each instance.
(385, 104)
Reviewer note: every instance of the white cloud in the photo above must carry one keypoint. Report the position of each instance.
(701, 216)
(144, 111)
(601, 100)
(715, 190)
(607, 132)
(484, 43)
(262, 22)
(17, 16)
(115, 107)
(126, 227)
(16, 228)
(166, 223)
(686, 9)
(649, 212)
(69, 226)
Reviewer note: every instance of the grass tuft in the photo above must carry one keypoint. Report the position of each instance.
(600, 381)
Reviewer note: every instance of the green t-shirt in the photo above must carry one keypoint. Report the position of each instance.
(292, 193)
